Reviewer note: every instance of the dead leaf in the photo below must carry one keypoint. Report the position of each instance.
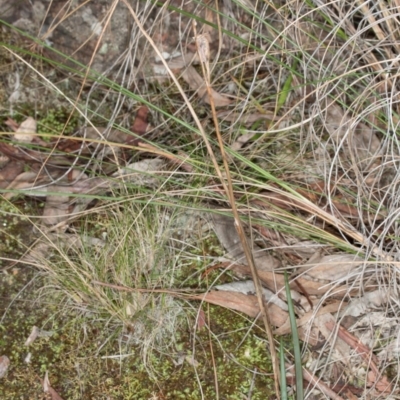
(332, 267)
(48, 389)
(57, 207)
(30, 156)
(203, 48)
(234, 301)
(197, 83)
(33, 335)
(25, 181)
(248, 288)
(242, 140)
(309, 316)
(322, 323)
(243, 303)
(225, 230)
(26, 132)
(276, 282)
(142, 172)
(317, 382)
(140, 125)
(11, 123)
(10, 172)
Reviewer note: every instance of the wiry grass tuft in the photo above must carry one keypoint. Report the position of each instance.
(123, 278)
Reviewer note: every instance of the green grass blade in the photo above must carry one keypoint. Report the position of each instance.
(283, 372)
(283, 95)
(296, 343)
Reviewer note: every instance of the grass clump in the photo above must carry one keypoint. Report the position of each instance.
(135, 252)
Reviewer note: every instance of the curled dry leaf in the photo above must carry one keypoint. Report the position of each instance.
(242, 140)
(33, 335)
(225, 230)
(248, 288)
(48, 389)
(26, 131)
(196, 82)
(17, 153)
(140, 125)
(25, 181)
(203, 48)
(12, 124)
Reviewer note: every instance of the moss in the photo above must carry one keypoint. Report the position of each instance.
(80, 354)
(15, 228)
(56, 121)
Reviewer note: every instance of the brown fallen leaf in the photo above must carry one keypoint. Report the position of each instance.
(248, 304)
(306, 318)
(197, 83)
(242, 140)
(225, 230)
(320, 385)
(11, 123)
(48, 389)
(232, 300)
(332, 267)
(10, 172)
(276, 282)
(243, 303)
(140, 125)
(18, 153)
